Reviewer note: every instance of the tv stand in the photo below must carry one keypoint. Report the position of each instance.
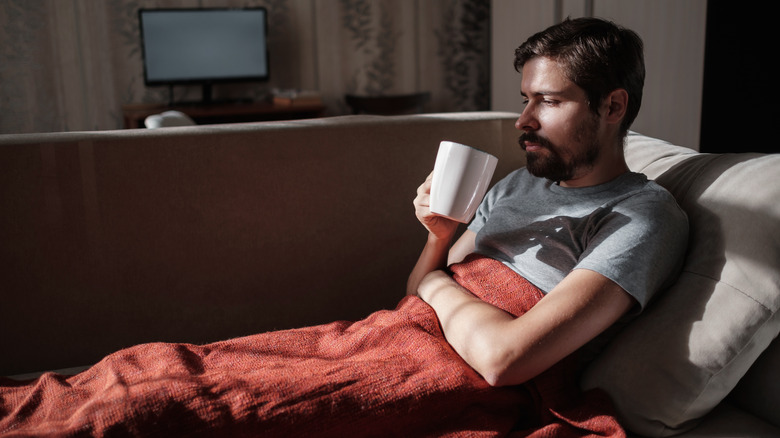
(223, 112)
(191, 103)
(207, 98)
(206, 93)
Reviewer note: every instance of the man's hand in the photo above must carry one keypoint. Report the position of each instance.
(439, 226)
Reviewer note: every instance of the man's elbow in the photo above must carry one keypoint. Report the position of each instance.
(499, 359)
(502, 368)
(494, 379)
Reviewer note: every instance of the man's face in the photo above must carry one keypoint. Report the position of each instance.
(561, 134)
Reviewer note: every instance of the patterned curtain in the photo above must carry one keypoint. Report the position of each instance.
(68, 65)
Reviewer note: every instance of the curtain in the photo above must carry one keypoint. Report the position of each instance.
(70, 65)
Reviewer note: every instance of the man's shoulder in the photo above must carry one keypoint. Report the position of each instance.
(651, 190)
(652, 201)
(637, 187)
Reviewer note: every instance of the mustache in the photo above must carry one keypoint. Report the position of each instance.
(532, 137)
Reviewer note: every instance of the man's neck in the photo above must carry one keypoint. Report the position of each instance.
(594, 180)
(610, 165)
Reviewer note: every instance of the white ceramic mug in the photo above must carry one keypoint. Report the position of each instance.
(461, 176)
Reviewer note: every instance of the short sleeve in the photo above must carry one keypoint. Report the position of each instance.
(639, 244)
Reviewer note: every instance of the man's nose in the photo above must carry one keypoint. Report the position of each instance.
(527, 122)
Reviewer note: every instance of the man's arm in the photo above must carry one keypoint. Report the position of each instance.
(506, 350)
(437, 253)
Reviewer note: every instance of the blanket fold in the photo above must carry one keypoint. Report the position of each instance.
(390, 374)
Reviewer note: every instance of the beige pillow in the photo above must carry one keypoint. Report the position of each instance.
(691, 346)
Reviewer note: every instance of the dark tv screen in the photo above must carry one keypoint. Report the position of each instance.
(182, 46)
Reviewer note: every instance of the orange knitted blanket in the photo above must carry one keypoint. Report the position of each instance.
(391, 374)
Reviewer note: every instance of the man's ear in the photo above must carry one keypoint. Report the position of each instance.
(616, 104)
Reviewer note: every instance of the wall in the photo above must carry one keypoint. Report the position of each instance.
(674, 36)
(69, 65)
(739, 78)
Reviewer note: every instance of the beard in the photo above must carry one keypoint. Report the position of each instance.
(553, 165)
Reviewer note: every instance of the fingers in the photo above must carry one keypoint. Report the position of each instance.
(433, 222)
(436, 224)
(422, 208)
(425, 187)
(422, 201)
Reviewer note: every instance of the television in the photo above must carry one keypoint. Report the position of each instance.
(204, 46)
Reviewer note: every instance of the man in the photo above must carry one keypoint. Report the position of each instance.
(597, 239)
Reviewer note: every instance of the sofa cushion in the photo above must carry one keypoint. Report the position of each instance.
(759, 390)
(728, 420)
(690, 348)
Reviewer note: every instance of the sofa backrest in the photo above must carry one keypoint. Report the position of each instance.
(691, 347)
(197, 234)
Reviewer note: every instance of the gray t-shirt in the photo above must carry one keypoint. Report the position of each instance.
(630, 230)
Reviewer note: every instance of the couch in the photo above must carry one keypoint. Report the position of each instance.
(196, 234)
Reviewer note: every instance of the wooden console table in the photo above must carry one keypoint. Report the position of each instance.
(134, 114)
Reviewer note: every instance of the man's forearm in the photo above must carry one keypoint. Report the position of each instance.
(472, 327)
(433, 257)
(506, 350)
